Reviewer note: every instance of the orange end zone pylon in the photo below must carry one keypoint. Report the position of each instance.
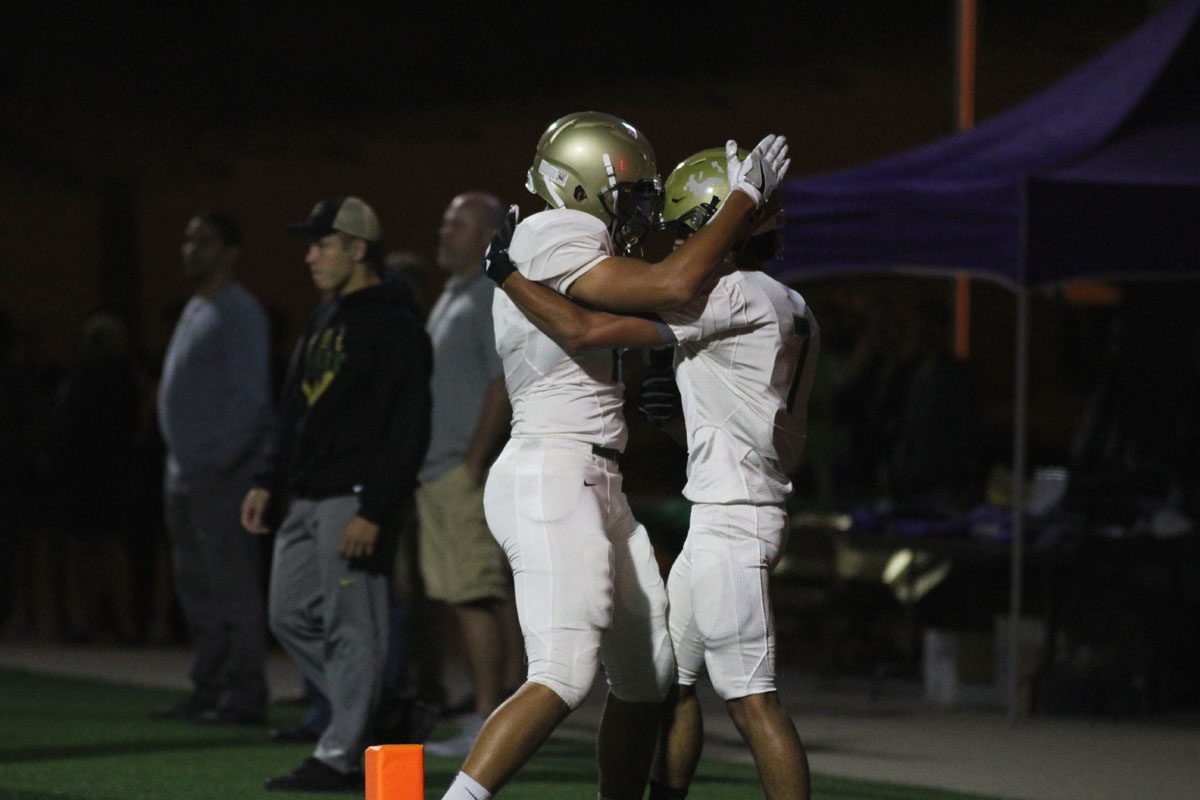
(395, 772)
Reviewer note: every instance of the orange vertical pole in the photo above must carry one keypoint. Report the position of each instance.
(962, 316)
(965, 84)
(395, 772)
(965, 119)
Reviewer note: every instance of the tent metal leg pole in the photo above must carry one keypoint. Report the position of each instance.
(1020, 400)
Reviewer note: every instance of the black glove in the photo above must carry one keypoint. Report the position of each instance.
(658, 397)
(496, 263)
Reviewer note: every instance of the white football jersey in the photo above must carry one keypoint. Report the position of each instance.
(555, 394)
(744, 365)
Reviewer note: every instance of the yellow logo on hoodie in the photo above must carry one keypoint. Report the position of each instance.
(323, 359)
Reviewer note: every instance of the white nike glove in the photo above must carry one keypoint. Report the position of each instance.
(759, 175)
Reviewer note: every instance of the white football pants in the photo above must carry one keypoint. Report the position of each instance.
(588, 589)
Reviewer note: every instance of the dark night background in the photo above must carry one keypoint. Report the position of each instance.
(122, 120)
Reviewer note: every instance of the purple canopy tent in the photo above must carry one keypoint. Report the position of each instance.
(1097, 176)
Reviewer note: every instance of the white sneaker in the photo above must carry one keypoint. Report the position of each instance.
(458, 746)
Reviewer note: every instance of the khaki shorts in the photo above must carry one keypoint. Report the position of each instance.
(460, 560)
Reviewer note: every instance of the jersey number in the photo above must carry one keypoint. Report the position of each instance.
(801, 332)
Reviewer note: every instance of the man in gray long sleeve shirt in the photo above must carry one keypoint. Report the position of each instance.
(214, 411)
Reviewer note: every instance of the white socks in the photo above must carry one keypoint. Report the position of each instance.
(465, 788)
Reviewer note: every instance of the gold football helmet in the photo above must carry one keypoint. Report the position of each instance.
(695, 190)
(603, 166)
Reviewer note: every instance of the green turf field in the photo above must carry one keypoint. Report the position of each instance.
(67, 739)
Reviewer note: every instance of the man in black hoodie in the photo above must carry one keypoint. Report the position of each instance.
(353, 433)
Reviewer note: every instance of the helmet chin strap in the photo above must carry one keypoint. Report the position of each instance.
(627, 234)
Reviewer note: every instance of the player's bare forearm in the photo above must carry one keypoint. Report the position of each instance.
(554, 315)
(694, 262)
(574, 327)
(632, 285)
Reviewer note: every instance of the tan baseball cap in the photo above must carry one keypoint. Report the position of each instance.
(349, 215)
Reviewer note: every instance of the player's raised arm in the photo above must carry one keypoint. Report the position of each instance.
(574, 327)
(570, 325)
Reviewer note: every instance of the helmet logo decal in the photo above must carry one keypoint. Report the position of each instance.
(608, 169)
(702, 188)
(552, 173)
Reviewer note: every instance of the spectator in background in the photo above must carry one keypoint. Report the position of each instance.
(214, 411)
(413, 672)
(934, 461)
(164, 623)
(461, 563)
(827, 447)
(872, 343)
(93, 457)
(353, 432)
(28, 384)
(410, 270)
(406, 271)
(1133, 452)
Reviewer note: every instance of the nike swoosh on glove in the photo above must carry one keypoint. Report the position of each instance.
(760, 174)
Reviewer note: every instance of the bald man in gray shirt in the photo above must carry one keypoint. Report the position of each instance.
(461, 563)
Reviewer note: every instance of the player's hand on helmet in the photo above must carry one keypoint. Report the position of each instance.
(759, 175)
(658, 397)
(496, 262)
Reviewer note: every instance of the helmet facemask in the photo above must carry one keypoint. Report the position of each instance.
(635, 209)
(694, 192)
(693, 220)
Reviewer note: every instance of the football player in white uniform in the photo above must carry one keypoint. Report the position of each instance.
(744, 361)
(588, 589)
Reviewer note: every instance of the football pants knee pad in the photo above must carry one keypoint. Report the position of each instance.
(570, 681)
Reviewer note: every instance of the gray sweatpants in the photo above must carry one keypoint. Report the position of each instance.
(216, 570)
(331, 620)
